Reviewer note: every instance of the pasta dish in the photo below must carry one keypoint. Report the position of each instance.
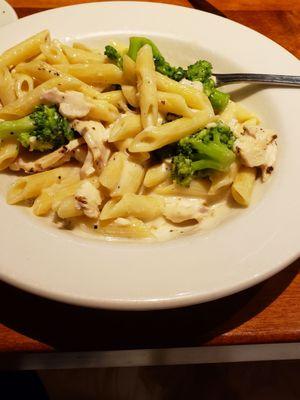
(121, 142)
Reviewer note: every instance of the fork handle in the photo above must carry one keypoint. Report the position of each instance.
(289, 80)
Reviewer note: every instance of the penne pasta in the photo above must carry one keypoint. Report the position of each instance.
(243, 185)
(25, 50)
(156, 175)
(220, 180)
(82, 55)
(53, 53)
(7, 87)
(130, 95)
(131, 228)
(129, 70)
(127, 126)
(122, 176)
(167, 102)
(68, 208)
(173, 103)
(193, 97)
(146, 208)
(9, 150)
(146, 85)
(29, 187)
(197, 188)
(51, 197)
(103, 74)
(23, 84)
(153, 138)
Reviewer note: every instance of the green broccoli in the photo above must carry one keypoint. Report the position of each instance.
(203, 152)
(161, 65)
(199, 71)
(114, 55)
(44, 129)
(202, 71)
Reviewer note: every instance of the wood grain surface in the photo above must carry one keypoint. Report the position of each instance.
(266, 313)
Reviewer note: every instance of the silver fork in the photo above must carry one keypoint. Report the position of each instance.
(287, 80)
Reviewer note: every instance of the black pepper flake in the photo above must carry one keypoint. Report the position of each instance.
(95, 227)
(59, 177)
(269, 170)
(11, 133)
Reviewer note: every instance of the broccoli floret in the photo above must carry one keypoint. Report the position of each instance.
(114, 55)
(200, 71)
(161, 65)
(203, 152)
(219, 100)
(44, 129)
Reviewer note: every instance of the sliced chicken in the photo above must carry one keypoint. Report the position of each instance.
(257, 147)
(96, 137)
(87, 168)
(180, 209)
(72, 104)
(49, 161)
(88, 199)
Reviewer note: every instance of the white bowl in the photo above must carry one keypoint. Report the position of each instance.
(253, 245)
(7, 13)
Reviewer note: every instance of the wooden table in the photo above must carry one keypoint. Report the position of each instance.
(260, 323)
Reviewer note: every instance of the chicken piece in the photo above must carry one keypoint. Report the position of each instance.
(72, 104)
(88, 199)
(95, 136)
(49, 161)
(180, 209)
(257, 147)
(87, 168)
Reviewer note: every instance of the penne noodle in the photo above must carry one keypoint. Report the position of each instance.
(156, 175)
(197, 188)
(29, 187)
(68, 208)
(220, 180)
(167, 102)
(53, 53)
(23, 84)
(7, 87)
(130, 95)
(82, 55)
(146, 85)
(131, 228)
(173, 103)
(9, 150)
(103, 74)
(127, 126)
(243, 185)
(54, 194)
(156, 137)
(114, 97)
(25, 50)
(193, 97)
(142, 207)
(129, 71)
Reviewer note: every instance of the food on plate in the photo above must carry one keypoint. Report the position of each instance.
(122, 143)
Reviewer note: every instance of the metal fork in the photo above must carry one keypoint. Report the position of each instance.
(287, 80)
